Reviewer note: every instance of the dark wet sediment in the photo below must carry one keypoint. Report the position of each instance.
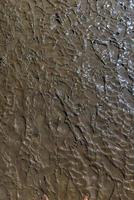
(66, 99)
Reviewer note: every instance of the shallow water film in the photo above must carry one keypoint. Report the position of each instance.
(66, 99)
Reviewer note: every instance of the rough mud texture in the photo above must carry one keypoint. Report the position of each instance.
(66, 99)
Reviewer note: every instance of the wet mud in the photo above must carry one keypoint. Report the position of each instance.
(66, 99)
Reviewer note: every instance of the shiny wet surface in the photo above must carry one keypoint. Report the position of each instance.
(66, 99)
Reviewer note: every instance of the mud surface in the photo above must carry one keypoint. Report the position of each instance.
(66, 99)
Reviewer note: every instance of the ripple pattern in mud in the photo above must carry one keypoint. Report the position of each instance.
(66, 99)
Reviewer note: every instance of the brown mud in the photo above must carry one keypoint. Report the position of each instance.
(66, 99)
